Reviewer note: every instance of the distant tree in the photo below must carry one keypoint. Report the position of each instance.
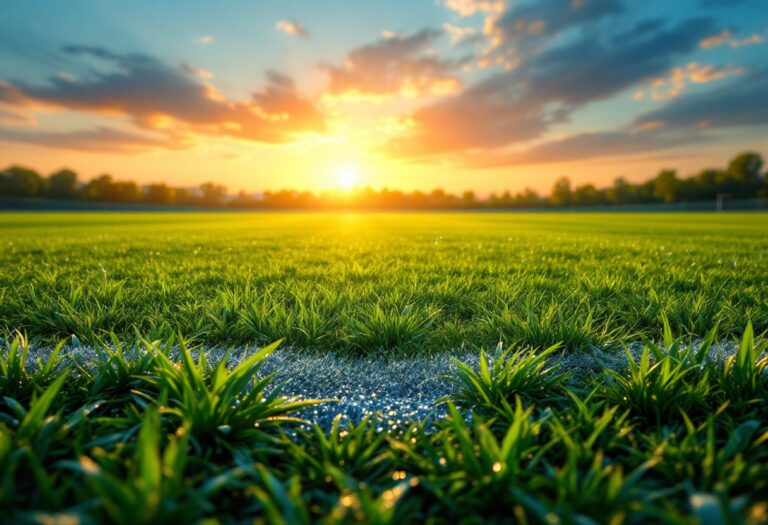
(621, 192)
(506, 200)
(159, 194)
(743, 177)
(18, 181)
(185, 197)
(561, 192)
(745, 173)
(763, 191)
(418, 199)
(587, 195)
(528, 199)
(100, 188)
(126, 191)
(746, 167)
(705, 184)
(468, 199)
(63, 184)
(213, 194)
(242, 200)
(665, 186)
(438, 198)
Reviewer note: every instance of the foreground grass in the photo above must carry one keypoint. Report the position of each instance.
(144, 439)
(364, 283)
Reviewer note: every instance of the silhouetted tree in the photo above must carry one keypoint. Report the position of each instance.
(212, 194)
(665, 186)
(186, 197)
(705, 184)
(63, 184)
(242, 200)
(468, 199)
(100, 189)
(561, 192)
(159, 194)
(622, 192)
(18, 181)
(745, 171)
(746, 167)
(587, 195)
(126, 192)
(742, 178)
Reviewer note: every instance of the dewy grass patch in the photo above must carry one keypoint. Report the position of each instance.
(184, 438)
(371, 283)
(139, 382)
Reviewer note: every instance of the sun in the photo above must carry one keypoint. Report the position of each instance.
(347, 176)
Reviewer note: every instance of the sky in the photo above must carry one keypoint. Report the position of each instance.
(488, 95)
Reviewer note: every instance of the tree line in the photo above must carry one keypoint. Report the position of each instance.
(742, 178)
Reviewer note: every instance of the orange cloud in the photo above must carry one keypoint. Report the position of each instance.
(394, 65)
(9, 117)
(171, 101)
(292, 29)
(458, 33)
(202, 73)
(674, 84)
(470, 7)
(719, 39)
(99, 139)
(726, 37)
(512, 109)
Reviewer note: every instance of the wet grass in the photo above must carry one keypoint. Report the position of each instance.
(147, 438)
(367, 283)
(154, 433)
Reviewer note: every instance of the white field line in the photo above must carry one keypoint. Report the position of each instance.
(400, 389)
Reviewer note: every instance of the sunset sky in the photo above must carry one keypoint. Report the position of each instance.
(481, 94)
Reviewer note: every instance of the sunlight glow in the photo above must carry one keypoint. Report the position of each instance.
(347, 176)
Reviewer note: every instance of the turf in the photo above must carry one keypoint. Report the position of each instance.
(146, 438)
(140, 427)
(389, 282)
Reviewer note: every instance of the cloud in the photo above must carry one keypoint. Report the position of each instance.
(684, 120)
(739, 103)
(292, 29)
(550, 17)
(521, 32)
(674, 84)
(10, 117)
(394, 65)
(100, 139)
(581, 146)
(470, 7)
(134, 85)
(725, 37)
(488, 115)
(172, 100)
(196, 71)
(592, 68)
(205, 40)
(458, 33)
(522, 104)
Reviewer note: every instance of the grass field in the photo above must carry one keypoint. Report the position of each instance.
(382, 282)
(148, 430)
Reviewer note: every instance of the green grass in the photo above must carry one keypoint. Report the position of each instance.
(193, 443)
(403, 282)
(147, 438)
